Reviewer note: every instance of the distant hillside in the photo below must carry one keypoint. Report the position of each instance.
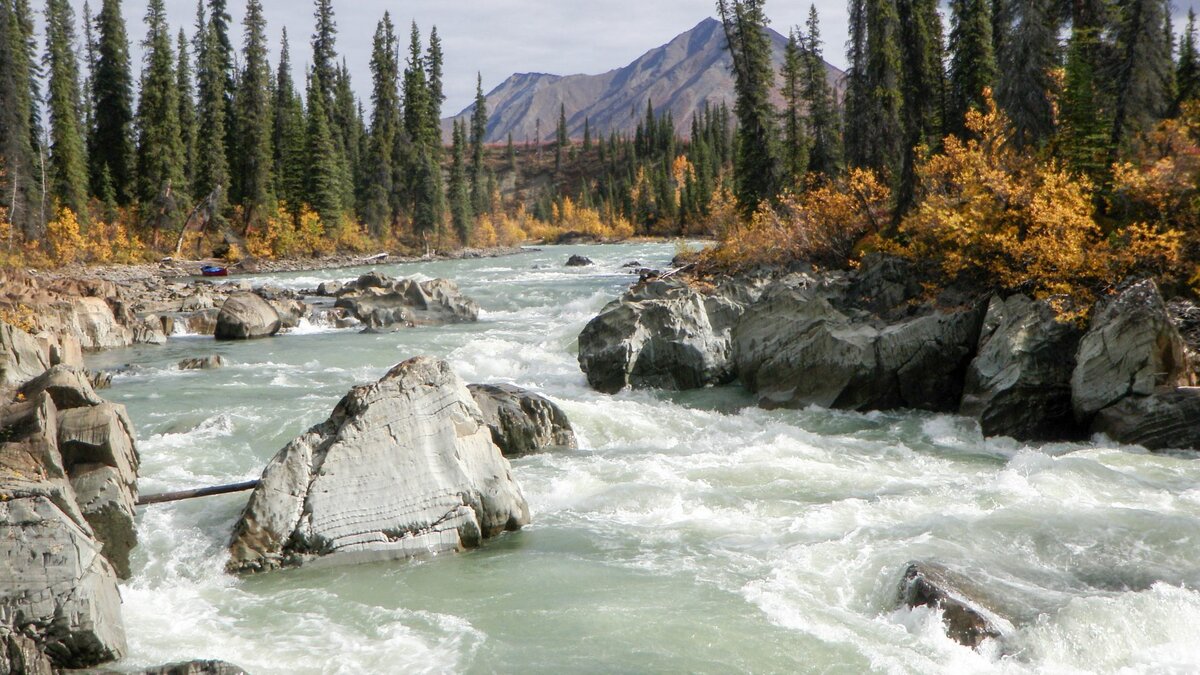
(679, 76)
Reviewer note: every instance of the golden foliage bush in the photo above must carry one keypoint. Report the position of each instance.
(822, 225)
(988, 216)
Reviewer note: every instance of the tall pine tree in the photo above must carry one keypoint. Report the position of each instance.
(68, 183)
(460, 201)
(885, 100)
(288, 135)
(160, 148)
(255, 189)
(18, 187)
(1143, 69)
(110, 147)
(323, 182)
(857, 135)
(1187, 72)
(921, 66)
(1026, 86)
(825, 153)
(212, 167)
(972, 60)
(187, 109)
(385, 119)
(794, 148)
(757, 167)
(479, 122)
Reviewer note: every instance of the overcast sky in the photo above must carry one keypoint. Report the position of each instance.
(494, 37)
(500, 37)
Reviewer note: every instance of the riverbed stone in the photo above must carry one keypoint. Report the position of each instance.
(521, 421)
(404, 466)
(379, 301)
(966, 618)
(1167, 420)
(202, 362)
(1019, 383)
(579, 261)
(1131, 348)
(246, 316)
(662, 334)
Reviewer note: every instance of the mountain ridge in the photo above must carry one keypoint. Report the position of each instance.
(679, 76)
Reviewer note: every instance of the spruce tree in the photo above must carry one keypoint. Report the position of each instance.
(255, 190)
(560, 137)
(385, 117)
(1143, 69)
(86, 113)
(68, 182)
(437, 95)
(587, 135)
(972, 61)
(1187, 72)
(323, 54)
(288, 135)
(825, 152)
(1026, 88)
(416, 93)
(1083, 139)
(885, 100)
(757, 167)
(323, 183)
(921, 59)
(187, 109)
(160, 184)
(110, 147)
(794, 150)
(212, 166)
(18, 188)
(460, 200)
(479, 121)
(857, 135)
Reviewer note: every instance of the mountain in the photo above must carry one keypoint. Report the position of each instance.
(679, 76)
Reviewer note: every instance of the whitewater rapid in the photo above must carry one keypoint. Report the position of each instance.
(690, 532)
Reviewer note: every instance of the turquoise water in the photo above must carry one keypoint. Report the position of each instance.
(688, 533)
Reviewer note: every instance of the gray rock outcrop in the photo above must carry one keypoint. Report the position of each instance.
(1161, 421)
(58, 591)
(521, 421)
(1019, 383)
(197, 667)
(403, 467)
(579, 261)
(21, 357)
(1131, 348)
(966, 618)
(246, 316)
(379, 301)
(795, 349)
(662, 334)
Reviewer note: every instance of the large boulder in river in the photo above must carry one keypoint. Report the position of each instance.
(521, 421)
(379, 301)
(245, 316)
(663, 334)
(1167, 420)
(1019, 383)
(403, 467)
(965, 617)
(21, 357)
(1132, 348)
(795, 349)
(58, 592)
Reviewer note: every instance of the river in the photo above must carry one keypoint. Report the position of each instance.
(690, 532)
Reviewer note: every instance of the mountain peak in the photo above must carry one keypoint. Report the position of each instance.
(681, 76)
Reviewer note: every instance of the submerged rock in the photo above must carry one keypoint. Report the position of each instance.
(579, 261)
(198, 667)
(1019, 384)
(379, 301)
(1161, 421)
(966, 619)
(1132, 348)
(662, 333)
(246, 316)
(403, 467)
(521, 421)
(202, 362)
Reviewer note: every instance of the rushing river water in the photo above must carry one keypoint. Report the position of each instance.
(690, 532)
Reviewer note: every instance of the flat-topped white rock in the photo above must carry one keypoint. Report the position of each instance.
(403, 467)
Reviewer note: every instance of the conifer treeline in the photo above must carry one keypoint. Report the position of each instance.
(215, 129)
(911, 82)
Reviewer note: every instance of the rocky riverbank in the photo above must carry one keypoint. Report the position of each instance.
(869, 340)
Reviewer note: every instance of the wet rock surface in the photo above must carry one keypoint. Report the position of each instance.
(379, 301)
(521, 421)
(967, 619)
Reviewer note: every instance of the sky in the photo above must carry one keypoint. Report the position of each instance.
(497, 38)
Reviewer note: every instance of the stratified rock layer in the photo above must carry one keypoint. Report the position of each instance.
(521, 421)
